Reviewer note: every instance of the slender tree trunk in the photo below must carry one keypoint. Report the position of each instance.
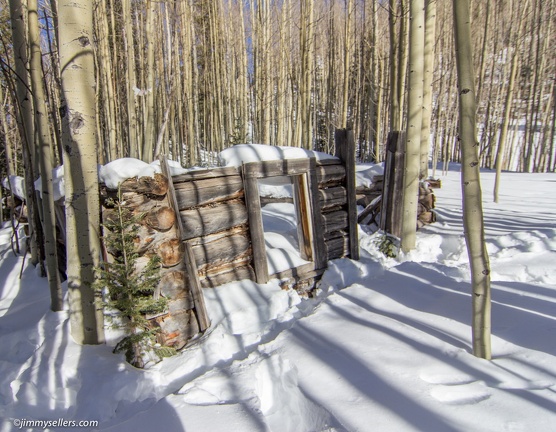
(471, 186)
(45, 152)
(430, 24)
(18, 13)
(131, 81)
(508, 106)
(346, 73)
(414, 121)
(80, 162)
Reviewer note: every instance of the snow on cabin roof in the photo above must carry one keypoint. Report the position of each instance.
(241, 153)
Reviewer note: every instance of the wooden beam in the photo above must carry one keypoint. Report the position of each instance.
(275, 168)
(391, 213)
(171, 193)
(317, 227)
(195, 285)
(254, 214)
(202, 221)
(345, 150)
(208, 191)
(199, 174)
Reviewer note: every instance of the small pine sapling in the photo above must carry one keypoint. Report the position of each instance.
(388, 245)
(130, 290)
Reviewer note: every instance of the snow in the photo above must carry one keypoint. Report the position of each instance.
(15, 184)
(115, 172)
(243, 153)
(384, 346)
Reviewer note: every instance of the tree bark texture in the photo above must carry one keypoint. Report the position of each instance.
(80, 162)
(471, 186)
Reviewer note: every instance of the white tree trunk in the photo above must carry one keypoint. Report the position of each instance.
(430, 27)
(80, 165)
(414, 119)
(44, 150)
(471, 187)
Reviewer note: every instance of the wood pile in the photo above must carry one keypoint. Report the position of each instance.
(333, 199)
(158, 235)
(371, 199)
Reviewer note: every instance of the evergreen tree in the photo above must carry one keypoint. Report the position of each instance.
(130, 290)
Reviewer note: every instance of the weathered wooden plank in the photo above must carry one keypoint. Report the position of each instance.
(237, 273)
(240, 230)
(212, 190)
(345, 150)
(211, 270)
(172, 201)
(332, 196)
(256, 229)
(223, 250)
(391, 214)
(275, 168)
(200, 174)
(195, 287)
(337, 247)
(330, 175)
(203, 221)
(327, 162)
(303, 216)
(370, 209)
(317, 241)
(301, 272)
(335, 220)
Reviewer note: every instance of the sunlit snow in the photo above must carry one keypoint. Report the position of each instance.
(385, 345)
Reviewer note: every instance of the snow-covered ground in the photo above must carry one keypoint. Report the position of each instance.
(385, 346)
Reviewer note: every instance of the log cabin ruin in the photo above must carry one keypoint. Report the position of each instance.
(207, 227)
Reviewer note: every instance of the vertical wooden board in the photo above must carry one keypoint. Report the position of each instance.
(390, 221)
(319, 251)
(254, 214)
(171, 193)
(345, 150)
(195, 286)
(303, 216)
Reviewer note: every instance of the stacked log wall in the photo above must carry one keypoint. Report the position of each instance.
(333, 197)
(213, 213)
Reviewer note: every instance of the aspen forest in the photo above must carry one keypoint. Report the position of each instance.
(190, 78)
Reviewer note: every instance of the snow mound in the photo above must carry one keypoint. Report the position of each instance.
(242, 153)
(58, 183)
(175, 167)
(115, 172)
(364, 173)
(16, 184)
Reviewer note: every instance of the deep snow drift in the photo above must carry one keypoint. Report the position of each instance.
(385, 346)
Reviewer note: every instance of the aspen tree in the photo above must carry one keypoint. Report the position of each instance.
(471, 186)
(80, 163)
(514, 37)
(45, 152)
(131, 81)
(347, 48)
(150, 39)
(430, 24)
(414, 120)
(18, 15)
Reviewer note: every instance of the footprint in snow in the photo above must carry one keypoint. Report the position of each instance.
(456, 388)
(461, 394)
